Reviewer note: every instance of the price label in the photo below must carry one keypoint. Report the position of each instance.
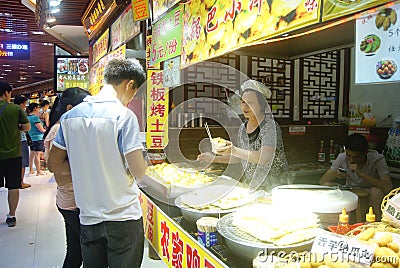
(342, 248)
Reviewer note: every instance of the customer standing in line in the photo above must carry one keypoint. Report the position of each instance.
(44, 114)
(98, 142)
(12, 121)
(65, 199)
(36, 133)
(21, 101)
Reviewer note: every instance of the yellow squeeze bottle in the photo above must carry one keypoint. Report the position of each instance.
(370, 216)
(343, 225)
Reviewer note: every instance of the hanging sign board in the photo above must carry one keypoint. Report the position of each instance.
(100, 48)
(333, 9)
(216, 28)
(157, 111)
(96, 14)
(15, 50)
(377, 52)
(167, 37)
(161, 6)
(141, 10)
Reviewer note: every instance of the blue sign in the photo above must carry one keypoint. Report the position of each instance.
(15, 50)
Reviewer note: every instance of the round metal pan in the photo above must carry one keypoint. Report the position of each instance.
(247, 247)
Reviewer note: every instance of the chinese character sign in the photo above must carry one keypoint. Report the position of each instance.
(15, 50)
(213, 28)
(377, 46)
(333, 9)
(141, 9)
(100, 48)
(342, 248)
(167, 37)
(157, 111)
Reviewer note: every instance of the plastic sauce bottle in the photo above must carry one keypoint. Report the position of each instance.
(343, 225)
(370, 216)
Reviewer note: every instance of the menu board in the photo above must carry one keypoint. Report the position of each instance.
(72, 72)
(213, 28)
(377, 46)
(166, 46)
(337, 8)
(124, 28)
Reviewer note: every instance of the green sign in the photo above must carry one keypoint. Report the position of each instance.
(167, 37)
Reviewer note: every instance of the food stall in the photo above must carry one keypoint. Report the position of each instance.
(310, 88)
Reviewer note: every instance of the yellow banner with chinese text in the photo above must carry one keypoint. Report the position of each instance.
(175, 246)
(157, 111)
(101, 46)
(141, 10)
(215, 27)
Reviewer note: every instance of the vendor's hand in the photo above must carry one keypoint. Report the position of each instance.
(206, 157)
(341, 175)
(225, 150)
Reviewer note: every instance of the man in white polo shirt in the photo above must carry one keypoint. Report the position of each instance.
(98, 142)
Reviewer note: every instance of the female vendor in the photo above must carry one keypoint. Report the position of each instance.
(260, 148)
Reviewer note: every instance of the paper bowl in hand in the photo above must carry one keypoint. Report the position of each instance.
(218, 144)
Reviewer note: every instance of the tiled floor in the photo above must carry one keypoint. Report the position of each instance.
(38, 240)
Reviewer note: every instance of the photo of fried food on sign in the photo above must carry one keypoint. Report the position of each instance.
(215, 27)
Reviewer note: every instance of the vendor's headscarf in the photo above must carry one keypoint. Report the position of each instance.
(258, 86)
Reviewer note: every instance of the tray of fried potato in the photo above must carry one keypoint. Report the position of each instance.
(166, 181)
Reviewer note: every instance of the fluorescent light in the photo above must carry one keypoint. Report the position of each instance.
(1, 77)
(8, 70)
(54, 10)
(37, 32)
(38, 72)
(54, 3)
(6, 65)
(31, 66)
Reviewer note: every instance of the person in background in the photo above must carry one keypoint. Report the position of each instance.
(260, 146)
(44, 113)
(99, 143)
(36, 133)
(12, 121)
(65, 199)
(21, 101)
(362, 168)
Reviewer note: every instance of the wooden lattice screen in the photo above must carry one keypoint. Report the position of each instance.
(277, 74)
(319, 87)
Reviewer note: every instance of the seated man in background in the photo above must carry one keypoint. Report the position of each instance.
(362, 168)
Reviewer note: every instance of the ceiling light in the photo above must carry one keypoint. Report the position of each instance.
(54, 10)
(1, 77)
(8, 70)
(54, 3)
(31, 66)
(6, 65)
(38, 72)
(37, 32)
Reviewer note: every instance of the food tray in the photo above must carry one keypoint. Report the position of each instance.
(248, 247)
(167, 193)
(192, 214)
